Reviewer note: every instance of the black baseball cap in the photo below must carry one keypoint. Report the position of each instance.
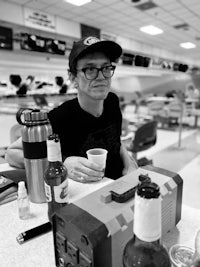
(92, 44)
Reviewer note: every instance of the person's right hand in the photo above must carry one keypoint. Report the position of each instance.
(82, 170)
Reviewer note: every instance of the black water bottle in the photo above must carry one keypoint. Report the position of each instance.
(55, 177)
(144, 249)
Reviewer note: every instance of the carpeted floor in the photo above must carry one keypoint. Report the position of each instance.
(176, 157)
(191, 183)
(184, 160)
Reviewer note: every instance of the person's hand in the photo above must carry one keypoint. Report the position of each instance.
(82, 170)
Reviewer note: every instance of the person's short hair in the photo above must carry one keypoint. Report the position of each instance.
(59, 80)
(15, 79)
(92, 44)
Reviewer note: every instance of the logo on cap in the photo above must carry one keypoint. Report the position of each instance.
(91, 40)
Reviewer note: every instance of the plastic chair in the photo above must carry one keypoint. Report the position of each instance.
(145, 137)
(155, 108)
(175, 111)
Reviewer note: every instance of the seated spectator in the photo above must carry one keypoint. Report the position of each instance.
(138, 100)
(61, 85)
(170, 93)
(21, 87)
(29, 82)
(192, 92)
(15, 80)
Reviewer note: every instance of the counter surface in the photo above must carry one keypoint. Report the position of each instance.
(39, 252)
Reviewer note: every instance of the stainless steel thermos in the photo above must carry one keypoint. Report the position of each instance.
(35, 131)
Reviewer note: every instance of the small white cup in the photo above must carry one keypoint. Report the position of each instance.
(98, 156)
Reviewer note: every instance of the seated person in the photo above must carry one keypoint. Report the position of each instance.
(93, 119)
(171, 93)
(60, 83)
(22, 90)
(16, 80)
(21, 87)
(138, 100)
(29, 83)
(192, 92)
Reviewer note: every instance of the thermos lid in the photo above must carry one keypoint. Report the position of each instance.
(35, 115)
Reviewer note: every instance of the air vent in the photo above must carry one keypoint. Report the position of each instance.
(146, 6)
(183, 26)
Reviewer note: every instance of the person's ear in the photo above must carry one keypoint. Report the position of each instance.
(73, 79)
(71, 76)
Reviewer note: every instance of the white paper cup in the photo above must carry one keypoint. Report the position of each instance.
(98, 156)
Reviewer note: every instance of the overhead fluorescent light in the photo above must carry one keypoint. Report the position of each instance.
(152, 30)
(78, 2)
(187, 45)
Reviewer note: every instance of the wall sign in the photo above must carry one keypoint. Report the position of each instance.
(39, 20)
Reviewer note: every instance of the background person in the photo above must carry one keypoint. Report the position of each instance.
(93, 119)
(192, 92)
(62, 87)
(26, 86)
(16, 81)
(138, 99)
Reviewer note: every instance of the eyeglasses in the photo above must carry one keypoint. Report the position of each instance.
(92, 73)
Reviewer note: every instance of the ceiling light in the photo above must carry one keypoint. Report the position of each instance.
(78, 2)
(150, 29)
(187, 45)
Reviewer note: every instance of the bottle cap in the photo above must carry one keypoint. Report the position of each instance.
(148, 190)
(35, 115)
(54, 137)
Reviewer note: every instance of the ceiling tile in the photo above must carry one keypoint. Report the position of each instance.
(53, 10)
(36, 5)
(130, 11)
(107, 2)
(20, 2)
(50, 2)
(66, 6)
(94, 5)
(104, 11)
(120, 6)
(121, 17)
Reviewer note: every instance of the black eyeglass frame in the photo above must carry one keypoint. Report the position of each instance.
(102, 69)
